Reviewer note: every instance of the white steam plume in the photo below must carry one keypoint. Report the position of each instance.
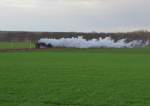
(93, 43)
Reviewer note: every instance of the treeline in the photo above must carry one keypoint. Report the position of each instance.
(9, 36)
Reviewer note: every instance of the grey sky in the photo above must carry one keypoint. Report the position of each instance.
(75, 15)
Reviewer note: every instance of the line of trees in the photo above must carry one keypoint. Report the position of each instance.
(8, 36)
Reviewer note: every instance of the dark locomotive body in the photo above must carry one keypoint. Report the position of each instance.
(40, 45)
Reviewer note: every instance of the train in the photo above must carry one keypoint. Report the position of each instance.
(41, 45)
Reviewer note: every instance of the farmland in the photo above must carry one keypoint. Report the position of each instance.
(75, 77)
(16, 45)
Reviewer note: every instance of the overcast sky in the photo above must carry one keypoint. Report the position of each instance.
(74, 15)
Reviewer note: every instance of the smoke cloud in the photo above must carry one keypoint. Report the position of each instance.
(80, 42)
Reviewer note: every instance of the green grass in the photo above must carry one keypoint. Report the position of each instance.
(16, 45)
(76, 77)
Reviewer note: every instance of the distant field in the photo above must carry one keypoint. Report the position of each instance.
(16, 45)
(76, 77)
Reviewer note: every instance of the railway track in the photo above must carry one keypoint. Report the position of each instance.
(26, 49)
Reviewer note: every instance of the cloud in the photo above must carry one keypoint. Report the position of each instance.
(74, 15)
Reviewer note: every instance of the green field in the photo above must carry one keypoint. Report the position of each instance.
(16, 45)
(76, 77)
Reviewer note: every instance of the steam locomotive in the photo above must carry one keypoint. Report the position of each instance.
(40, 45)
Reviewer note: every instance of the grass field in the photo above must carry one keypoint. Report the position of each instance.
(16, 45)
(76, 77)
